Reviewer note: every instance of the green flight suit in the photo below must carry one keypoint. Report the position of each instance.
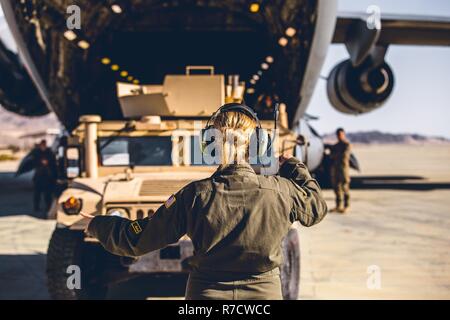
(340, 173)
(236, 220)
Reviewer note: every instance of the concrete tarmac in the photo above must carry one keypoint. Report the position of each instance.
(394, 244)
(395, 241)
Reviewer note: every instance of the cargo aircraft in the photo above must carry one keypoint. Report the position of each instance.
(71, 67)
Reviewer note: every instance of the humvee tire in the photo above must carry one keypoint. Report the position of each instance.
(66, 248)
(290, 269)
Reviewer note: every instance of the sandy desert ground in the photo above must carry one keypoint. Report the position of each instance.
(394, 244)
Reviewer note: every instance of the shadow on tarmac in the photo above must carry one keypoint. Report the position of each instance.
(396, 183)
(148, 287)
(16, 196)
(24, 276)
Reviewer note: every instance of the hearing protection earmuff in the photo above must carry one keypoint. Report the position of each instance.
(260, 135)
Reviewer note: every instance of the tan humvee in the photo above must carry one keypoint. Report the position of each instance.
(129, 168)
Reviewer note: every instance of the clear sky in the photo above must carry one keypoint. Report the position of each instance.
(421, 99)
(420, 102)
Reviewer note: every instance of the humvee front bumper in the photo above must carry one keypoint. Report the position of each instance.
(171, 259)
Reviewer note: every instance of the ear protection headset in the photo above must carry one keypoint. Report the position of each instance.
(261, 135)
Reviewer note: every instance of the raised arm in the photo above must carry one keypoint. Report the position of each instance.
(134, 238)
(309, 206)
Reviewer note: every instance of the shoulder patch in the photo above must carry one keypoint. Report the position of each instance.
(169, 202)
(136, 227)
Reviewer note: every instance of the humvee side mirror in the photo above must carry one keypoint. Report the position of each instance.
(302, 140)
(73, 162)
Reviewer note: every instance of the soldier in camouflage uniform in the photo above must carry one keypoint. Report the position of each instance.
(236, 220)
(340, 175)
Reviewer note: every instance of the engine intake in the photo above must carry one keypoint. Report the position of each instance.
(358, 90)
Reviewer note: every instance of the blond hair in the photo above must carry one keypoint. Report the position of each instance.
(236, 128)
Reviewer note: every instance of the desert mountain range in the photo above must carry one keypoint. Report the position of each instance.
(12, 126)
(378, 137)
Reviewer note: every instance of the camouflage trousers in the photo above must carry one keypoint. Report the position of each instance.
(342, 192)
(264, 286)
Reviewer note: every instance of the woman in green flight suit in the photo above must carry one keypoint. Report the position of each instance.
(236, 219)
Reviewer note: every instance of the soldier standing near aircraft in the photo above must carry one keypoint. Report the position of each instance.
(236, 218)
(340, 175)
(44, 178)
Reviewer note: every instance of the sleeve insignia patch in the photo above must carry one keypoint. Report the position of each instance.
(169, 202)
(136, 227)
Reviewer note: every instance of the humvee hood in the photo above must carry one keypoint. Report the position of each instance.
(155, 187)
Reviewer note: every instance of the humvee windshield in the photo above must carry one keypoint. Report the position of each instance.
(144, 151)
(138, 151)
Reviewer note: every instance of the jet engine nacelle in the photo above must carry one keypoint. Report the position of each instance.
(18, 93)
(361, 89)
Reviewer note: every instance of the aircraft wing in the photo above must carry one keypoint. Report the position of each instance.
(398, 29)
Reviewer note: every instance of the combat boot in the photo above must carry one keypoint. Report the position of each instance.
(337, 210)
